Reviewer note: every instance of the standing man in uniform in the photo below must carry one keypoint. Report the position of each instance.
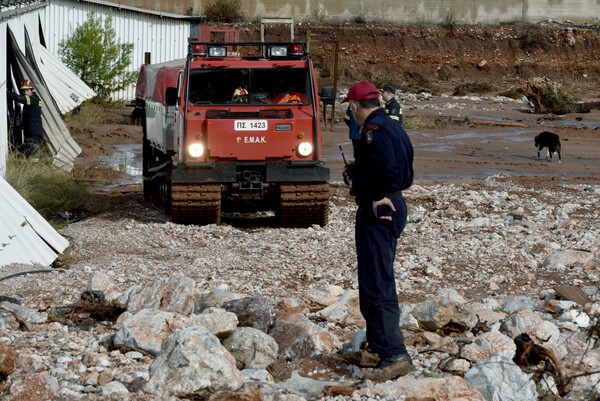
(32, 117)
(383, 168)
(392, 107)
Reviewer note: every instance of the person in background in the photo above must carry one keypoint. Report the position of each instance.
(353, 129)
(392, 107)
(32, 117)
(383, 168)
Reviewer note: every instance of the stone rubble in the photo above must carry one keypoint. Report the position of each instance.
(221, 311)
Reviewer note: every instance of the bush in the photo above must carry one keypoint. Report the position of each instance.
(46, 188)
(224, 11)
(95, 55)
(531, 35)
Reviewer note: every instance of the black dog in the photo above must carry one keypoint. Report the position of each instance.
(548, 140)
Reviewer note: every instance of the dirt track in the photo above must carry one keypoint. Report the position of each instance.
(463, 138)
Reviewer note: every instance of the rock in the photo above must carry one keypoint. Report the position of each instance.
(515, 303)
(102, 282)
(325, 295)
(579, 365)
(24, 314)
(214, 298)
(253, 311)
(114, 387)
(257, 375)
(541, 331)
(474, 352)
(249, 392)
(499, 378)
(31, 387)
(579, 318)
(217, 321)
(193, 362)
(497, 342)
(433, 315)
(8, 361)
(147, 329)
(456, 366)
(251, 348)
(441, 311)
(345, 311)
(452, 388)
(298, 337)
(569, 259)
(173, 294)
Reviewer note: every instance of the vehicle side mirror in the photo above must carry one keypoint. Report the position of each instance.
(328, 95)
(171, 96)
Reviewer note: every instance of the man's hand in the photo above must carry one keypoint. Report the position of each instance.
(387, 202)
(347, 178)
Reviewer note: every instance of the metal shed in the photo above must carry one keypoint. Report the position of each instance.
(163, 35)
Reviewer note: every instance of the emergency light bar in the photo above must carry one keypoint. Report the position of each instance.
(279, 50)
(214, 51)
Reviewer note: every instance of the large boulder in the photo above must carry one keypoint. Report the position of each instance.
(298, 337)
(31, 387)
(442, 311)
(102, 282)
(147, 329)
(217, 321)
(173, 294)
(499, 378)
(8, 361)
(541, 331)
(569, 259)
(255, 311)
(251, 348)
(452, 388)
(192, 361)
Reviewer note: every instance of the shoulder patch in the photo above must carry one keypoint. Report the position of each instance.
(369, 137)
(372, 127)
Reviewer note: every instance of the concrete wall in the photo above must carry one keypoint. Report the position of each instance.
(397, 11)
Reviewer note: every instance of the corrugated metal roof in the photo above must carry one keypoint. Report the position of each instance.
(164, 36)
(67, 90)
(25, 237)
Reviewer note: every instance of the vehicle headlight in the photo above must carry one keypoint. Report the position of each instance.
(305, 149)
(196, 149)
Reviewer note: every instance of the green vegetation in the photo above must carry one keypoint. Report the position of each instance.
(531, 35)
(224, 11)
(416, 123)
(474, 87)
(87, 113)
(95, 55)
(450, 21)
(559, 102)
(46, 188)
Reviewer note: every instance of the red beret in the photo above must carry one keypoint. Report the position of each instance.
(363, 90)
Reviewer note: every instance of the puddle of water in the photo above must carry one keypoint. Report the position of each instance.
(127, 159)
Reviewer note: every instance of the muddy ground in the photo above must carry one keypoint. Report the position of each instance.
(455, 138)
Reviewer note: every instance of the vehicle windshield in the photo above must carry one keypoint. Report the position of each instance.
(226, 86)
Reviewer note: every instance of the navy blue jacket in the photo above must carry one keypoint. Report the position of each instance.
(32, 113)
(393, 110)
(384, 160)
(354, 129)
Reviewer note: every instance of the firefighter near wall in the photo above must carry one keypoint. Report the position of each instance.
(234, 127)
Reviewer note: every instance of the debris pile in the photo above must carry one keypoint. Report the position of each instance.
(498, 290)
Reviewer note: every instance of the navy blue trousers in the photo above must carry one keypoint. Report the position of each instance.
(376, 242)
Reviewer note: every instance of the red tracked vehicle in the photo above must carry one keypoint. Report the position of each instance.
(235, 127)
